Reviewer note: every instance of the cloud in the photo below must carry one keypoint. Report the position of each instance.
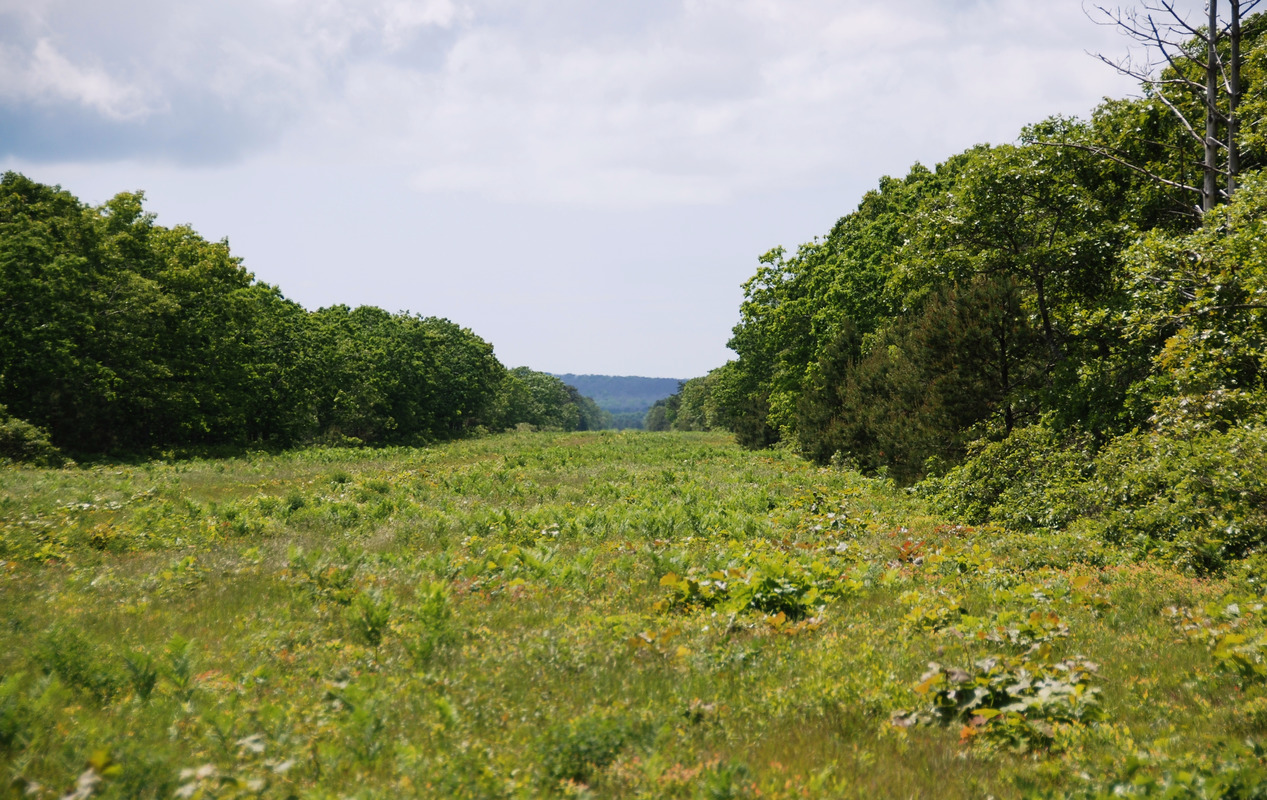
(45, 77)
(707, 100)
(401, 20)
(571, 101)
(185, 82)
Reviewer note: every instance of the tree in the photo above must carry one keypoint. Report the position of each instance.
(1022, 212)
(663, 414)
(118, 335)
(545, 401)
(925, 382)
(1197, 74)
(795, 304)
(51, 282)
(1200, 314)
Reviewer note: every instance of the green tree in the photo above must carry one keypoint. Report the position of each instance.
(925, 385)
(794, 306)
(121, 335)
(545, 401)
(1200, 313)
(400, 378)
(1023, 212)
(1203, 85)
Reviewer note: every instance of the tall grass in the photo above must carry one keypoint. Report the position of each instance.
(608, 615)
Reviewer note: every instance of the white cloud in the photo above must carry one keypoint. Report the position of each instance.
(650, 148)
(712, 99)
(580, 100)
(402, 18)
(44, 75)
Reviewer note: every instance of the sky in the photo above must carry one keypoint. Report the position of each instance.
(586, 184)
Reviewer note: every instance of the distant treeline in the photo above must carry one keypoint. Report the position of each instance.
(118, 336)
(693, 407)
(627, 397)
(1048, 334)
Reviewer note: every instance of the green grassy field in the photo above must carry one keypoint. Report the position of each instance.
(592, 615)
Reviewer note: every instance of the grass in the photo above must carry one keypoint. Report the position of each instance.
(591, 615)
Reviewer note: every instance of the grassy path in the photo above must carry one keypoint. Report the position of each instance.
(607, 615)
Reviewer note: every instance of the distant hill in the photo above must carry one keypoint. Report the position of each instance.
(627, 397)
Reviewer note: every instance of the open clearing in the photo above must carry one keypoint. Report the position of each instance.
(607, 615)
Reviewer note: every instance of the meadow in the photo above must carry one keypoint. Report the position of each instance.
(593, 615)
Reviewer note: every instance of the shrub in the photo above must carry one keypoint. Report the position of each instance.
(13, 713)
(1032, 480)
(434, 628)
(1199, 501)
(1011, 701)
(142, 672)
(770, 584)
(66, 653)
(369, 617)
(24, 443)
(576, 750)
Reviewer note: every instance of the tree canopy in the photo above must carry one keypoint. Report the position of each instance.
(1009, 286)
(119, 335)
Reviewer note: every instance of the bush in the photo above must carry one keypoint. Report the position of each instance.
(13, 713)
(918, 391)
(24, 443)
(577, 750)
(79, 663)
(1034, 480)
(1199, 501)
(1009, 701)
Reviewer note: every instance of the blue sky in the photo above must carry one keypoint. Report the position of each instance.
(584, 183)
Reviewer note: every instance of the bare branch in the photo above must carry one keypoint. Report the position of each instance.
(1107, 153)
(1126, 68)
(1182, 119)
(1187, 83)
(1162, 44)
(1170, 8)
(1178, 49)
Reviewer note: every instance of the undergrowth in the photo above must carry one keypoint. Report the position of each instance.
(598, 615)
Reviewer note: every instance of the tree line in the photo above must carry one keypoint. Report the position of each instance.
(1088, 296)
(119, 335)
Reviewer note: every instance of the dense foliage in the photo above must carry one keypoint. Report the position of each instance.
(1047, 337)
(546, 402)
(692, 408)
(24, 443)
(120, 335)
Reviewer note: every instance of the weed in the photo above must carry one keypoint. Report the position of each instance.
(13, 712)
(369, 617)
(1014, 700)
(65, 652)
(770, 584)
(143, 673)
(434, 627)
(578, 749)
(179, 667)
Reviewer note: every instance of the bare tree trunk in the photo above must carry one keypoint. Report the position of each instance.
(1161, 27)
(1234, 98)
(1210, 190)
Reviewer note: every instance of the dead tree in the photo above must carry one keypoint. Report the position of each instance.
(1203, 63)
